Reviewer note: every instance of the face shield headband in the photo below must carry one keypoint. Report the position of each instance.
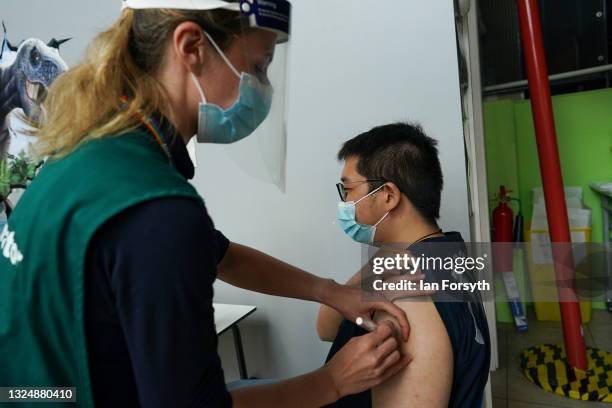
(272, 15)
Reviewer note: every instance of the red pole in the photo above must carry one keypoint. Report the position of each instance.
(552, 180)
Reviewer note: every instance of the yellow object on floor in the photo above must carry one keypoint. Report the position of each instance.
(542, 273)
(546, 366)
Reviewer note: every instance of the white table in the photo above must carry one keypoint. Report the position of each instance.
(228, 317)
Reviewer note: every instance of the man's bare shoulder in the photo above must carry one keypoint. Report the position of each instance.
(427, 381)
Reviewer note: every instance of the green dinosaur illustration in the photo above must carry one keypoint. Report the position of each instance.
(15, 172)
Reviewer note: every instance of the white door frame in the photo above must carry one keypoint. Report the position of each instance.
(468, 38)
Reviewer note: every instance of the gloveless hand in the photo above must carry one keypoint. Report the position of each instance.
(350, 302)
(366, 361)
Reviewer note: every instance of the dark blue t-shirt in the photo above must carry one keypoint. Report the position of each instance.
(149, 320)
(467, 330)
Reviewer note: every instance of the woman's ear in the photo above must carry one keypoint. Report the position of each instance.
(190, 46)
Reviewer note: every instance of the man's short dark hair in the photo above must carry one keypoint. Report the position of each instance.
(403, 154)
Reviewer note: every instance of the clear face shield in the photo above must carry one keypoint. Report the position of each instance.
(263, 154)
(254, 127)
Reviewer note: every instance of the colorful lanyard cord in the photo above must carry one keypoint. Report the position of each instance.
(152, 127)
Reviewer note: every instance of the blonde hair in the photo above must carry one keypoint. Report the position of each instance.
(84, 103)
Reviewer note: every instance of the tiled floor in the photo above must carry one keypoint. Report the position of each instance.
(509, 386)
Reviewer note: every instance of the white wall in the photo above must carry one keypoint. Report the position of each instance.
(353, 65)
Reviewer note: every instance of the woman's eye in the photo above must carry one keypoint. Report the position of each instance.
(262, 74)
(260, 70)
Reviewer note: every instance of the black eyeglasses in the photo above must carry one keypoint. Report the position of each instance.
(342, 191)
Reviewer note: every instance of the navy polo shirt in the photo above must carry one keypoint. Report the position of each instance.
(149, 319)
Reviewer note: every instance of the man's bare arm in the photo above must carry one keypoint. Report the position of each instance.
(427, 381)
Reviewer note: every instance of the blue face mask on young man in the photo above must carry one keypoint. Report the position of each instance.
(224, 126)
(362, 233)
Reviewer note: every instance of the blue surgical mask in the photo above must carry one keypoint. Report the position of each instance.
(362, 233)
(224, 126)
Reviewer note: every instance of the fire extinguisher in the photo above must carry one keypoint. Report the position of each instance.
(502, 218)
(503, 255)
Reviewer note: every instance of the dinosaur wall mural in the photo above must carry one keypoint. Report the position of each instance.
(26, 73)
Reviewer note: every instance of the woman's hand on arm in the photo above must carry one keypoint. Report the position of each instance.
(250, 269)
(329, 319)
(365, 362)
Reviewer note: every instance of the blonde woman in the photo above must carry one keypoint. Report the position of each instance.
(108, 262)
